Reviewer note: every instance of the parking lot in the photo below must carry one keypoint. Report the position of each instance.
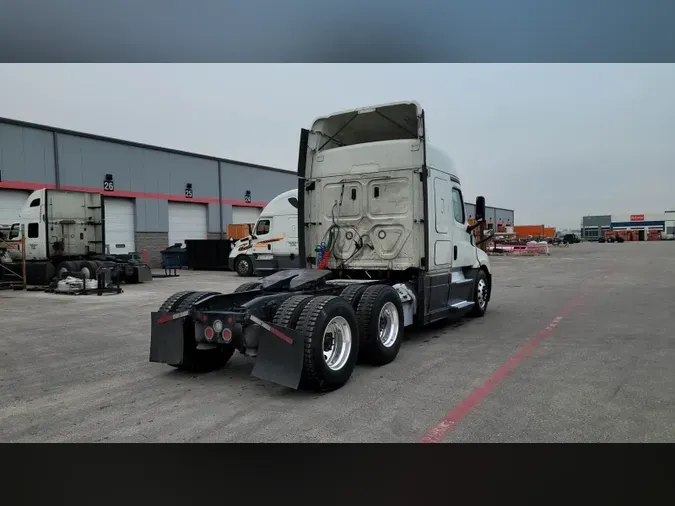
(576, 346)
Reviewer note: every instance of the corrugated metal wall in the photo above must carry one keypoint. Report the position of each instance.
(26, 155)
(494, 214)
(152, 177)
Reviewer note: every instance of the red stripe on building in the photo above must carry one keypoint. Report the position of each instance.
(24, 185)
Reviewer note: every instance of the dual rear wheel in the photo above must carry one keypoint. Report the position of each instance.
(365, 322)
(195, 359)
(86, 267)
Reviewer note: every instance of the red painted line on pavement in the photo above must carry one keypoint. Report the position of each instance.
(25, 185)
(449, 421)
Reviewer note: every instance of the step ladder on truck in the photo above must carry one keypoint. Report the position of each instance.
(383, 242)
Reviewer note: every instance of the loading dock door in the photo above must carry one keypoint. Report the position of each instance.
(120, 229)
(187, 221)
(243, 214)
(11, 202)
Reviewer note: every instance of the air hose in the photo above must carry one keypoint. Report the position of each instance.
(325, 248)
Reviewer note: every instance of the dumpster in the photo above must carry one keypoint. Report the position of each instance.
(208, 254)
(174, 257)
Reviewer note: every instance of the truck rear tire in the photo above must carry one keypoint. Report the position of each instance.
(66, 266)
(353, 294)
(194, 359)
(380, 317)
(169, 304)
(481, 295)
(289, 312)
(331, 339)
(253, 285)
(243, 266)
(89, 269)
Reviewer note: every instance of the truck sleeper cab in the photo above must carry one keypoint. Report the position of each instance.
(273, 244)
(64, 232)
(383, 244)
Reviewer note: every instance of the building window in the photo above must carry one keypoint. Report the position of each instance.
(33, 230)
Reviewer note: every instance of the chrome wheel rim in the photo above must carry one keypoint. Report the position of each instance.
(388, 325)
(337, 343)
(481, 294)
(243, 266)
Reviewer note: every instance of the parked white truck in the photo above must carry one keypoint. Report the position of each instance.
(273, 244)
(64, 232)
(384, 244)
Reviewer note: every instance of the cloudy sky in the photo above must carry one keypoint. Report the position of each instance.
(553, 142)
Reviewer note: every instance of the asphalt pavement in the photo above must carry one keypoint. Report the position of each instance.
(578, 346)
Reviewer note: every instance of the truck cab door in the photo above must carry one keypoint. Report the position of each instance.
(464, 254)
(36, 228)
(440, 230)
(464, 251)
(262, 244)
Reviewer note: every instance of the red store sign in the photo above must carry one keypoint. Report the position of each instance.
(637, 217)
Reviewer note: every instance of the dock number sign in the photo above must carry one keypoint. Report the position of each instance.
(108, 185)
(188, 193)
(247, 196)
(637, 217)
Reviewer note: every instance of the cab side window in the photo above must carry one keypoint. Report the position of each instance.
(458, 205)
(33, 231)
(262, 228)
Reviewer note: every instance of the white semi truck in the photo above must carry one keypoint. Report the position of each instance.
(384, 244)
(65, 232)
(273, 243)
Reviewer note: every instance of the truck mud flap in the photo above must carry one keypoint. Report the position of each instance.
(280, 355)
(166, 338)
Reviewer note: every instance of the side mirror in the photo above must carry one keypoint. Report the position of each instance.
(250, 229)
(480, 208)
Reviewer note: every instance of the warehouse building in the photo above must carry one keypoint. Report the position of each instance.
(593, 227)
(154, 197)
(497, 218)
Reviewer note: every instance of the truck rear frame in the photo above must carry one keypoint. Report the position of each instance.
(274, 320)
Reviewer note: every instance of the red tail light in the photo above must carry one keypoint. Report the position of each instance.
(209, 333)
(227, 335)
